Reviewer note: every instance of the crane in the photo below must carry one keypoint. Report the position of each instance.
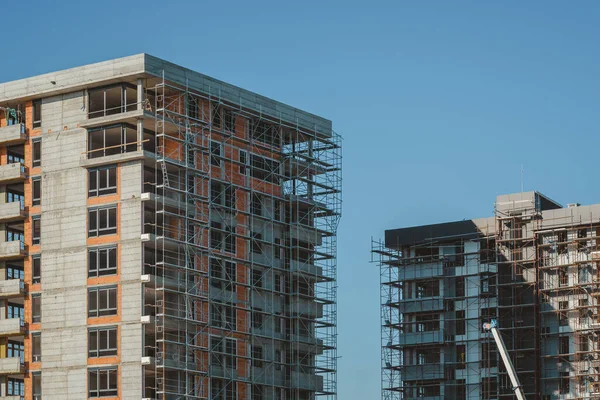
(492, 327)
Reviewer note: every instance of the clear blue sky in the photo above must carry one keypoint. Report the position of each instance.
(439, 103)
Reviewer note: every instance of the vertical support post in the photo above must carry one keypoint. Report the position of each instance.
(140, 106)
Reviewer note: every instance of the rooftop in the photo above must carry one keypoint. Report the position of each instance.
(147, 66)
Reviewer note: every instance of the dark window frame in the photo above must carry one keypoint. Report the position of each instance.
(95, 221)
(36, 269)
(95, 380)
(36, 198)
(36, 230)
(99, 346)
(36, 308)
(36, 153)
(36, 113)
(95, 295)
(102, 181)
(95, 258)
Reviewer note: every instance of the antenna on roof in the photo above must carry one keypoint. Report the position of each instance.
(522, 171)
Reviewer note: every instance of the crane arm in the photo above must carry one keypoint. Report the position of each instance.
(493, 328)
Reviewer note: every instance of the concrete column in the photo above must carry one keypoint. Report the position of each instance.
(140, 106)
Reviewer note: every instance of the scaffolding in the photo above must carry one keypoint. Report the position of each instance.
(240, 251)
(534, 269)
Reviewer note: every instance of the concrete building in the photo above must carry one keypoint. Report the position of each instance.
(165, 235)
(533, 266)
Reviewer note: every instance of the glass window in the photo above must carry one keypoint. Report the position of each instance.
(15, 387)
(102, 382)
(36, 308)
(102, 261)
(215, 153)
(102, 342)
(102, 181)
(36, 347)
(112, 100)
(37, 191)
(36, 231)
(15, 349)
(111, 140)
(14, 195)
(222, 274)
(102, 301)
(37, 153)
(102, 221)
(16, 311)
(37, 113)
(37, 385)
(36, 264)
(14, 272)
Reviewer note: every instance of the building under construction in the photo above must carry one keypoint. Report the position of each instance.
(165, 235)
(533, 267)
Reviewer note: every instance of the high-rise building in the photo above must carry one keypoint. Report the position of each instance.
(533, 267)
(165, 235)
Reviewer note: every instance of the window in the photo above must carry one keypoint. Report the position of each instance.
(15, 387)
(230, 239)
(563, 317)
(460, 286)
(36, 184)
(14, 234)
(223, 316)
(563, 345)
(427, 357)
(15, 155)
(460, 322)
(257, 318)
(16, 350)
(229, 120)
(102, 342)
(36, 385)
(36, 347)
(102, 221)
(256, 242)
(102, 181)
(563, 383)
(563, 277)
(16, 311)
(192, 107)
(264, 132)
(112, 140)
(222, 194)
(216, 235)
(257, 278)
(14, 272)
(461, 356)
(215, 153)
(222, 389)
(428, 289)
(112, 100)
(264, 168)
(13, 196)
(37, 113)
(216, 115)
(102, 261)
(102, 382)
(256, 205)
(257, 356)
(36, 153)
(223, 352)
(243, 162)
(102, 301)
(222, 274)
(36, 308)
(489, 357)
(36, 232)
(36, 268)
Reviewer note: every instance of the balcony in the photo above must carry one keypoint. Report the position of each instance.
(306, 234)
(11, 288)
(305, 268)
(306, 307)
(304, 381)
(11, 250)
(420, 338)
(11, 212)
(12, 134)
(10, 366)
(10, 397)
(11, 327)
(422, 372)
(419, 305)
(11, 173)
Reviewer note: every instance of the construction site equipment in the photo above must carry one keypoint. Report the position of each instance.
(514, 379)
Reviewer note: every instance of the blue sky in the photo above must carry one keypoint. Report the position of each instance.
(439, 103)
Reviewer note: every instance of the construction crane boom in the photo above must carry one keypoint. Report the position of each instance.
(492, 327)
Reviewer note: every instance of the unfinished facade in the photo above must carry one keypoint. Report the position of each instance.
(165, 236)
(533, 267)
